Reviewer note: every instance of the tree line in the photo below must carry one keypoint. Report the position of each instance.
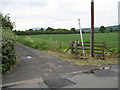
(50, 30)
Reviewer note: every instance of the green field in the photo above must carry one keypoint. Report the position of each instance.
(51, 41)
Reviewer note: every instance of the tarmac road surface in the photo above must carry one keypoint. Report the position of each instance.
(38, 70)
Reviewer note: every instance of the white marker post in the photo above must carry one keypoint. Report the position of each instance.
(81, 37)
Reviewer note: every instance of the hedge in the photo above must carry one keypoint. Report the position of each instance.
(8, 50)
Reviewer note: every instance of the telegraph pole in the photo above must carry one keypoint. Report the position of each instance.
(92, 28)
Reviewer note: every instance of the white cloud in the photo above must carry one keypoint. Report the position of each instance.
(59, 13)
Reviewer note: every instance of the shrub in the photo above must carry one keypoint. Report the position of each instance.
(8, 50)
(8, 54)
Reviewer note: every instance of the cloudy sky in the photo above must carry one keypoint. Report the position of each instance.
(59, 13)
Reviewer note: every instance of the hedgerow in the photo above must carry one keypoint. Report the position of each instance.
(8, 50)
(8, 53)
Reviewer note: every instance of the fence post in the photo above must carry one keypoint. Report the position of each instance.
(60, 44)
(104, 45)
(76, 47)
(56, 44)
(71, 47)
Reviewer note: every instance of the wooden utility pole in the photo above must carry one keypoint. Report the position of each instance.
(92, 28)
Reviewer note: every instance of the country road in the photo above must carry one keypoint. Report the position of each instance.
(38, 70)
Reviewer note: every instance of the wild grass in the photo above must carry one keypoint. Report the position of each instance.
(88, 61)
(52, 41)
(38, 43)
(51, 45)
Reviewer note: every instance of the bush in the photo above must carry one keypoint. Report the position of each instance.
(8, 50)
(7, 40)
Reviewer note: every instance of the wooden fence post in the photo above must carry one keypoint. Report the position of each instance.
(104, 45)
(60, 45)
(56, 44)
(71, 47)
(75, 47)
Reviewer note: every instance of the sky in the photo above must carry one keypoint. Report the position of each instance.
(59, 13)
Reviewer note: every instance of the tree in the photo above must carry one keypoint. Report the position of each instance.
(6, 22)
(73, 29)
(49, 29)
(111, 29)
(30, 29)
(102, 29)
(42, 29)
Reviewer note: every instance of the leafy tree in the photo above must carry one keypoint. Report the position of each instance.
(49, 29)
(73, 29)
(30, 29)
(102, 29)
(41, 29)
(111, 29)
(6, 22)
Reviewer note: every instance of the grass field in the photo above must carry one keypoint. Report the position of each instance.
(51, 43)
(111, 39)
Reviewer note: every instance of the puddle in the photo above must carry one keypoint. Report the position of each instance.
(29, 57)
(26, 57)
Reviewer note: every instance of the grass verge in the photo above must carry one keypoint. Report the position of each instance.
(88, 61)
